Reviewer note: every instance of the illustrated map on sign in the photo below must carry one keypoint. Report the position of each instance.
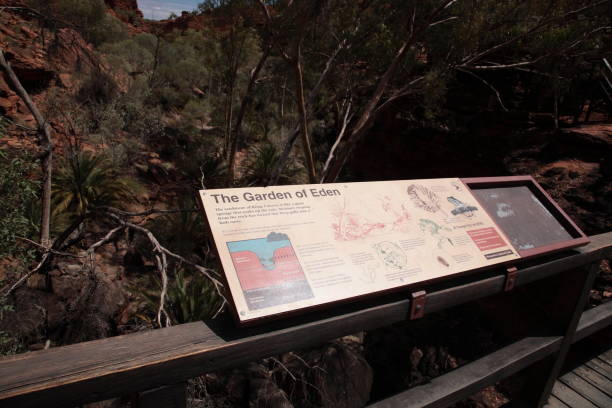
(269, 271)
(286, 248)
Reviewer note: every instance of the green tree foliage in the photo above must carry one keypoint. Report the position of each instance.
(85, 181)
(89, 17)
(8, 344)
(18, 192)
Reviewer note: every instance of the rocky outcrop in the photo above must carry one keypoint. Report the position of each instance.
(43, 61)
(124, 8)
(206, 20)
(186, 21)
(83, 305)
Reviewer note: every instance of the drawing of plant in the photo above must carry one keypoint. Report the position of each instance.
(392, 255)
(368, 272)
(436, 232)
(423, 198)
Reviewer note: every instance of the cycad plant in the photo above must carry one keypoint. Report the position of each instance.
(260, 163)
(182, 232)
(188, 298)
(85, 181)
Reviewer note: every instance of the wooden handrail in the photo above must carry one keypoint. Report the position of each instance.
(469, 379)
(107, 368)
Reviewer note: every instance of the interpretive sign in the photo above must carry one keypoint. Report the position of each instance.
(287, 248)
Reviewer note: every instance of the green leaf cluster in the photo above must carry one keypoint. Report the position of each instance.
(190, 296)
(18, 194)
(85, 181)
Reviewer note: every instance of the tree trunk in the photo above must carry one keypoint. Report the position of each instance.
(299, 84)
(366, 119)
(228, 117)
(246, 100)
(368, 115)
(46, 144)
(280, 164)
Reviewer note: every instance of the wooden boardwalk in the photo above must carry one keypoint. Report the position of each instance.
(587, 386)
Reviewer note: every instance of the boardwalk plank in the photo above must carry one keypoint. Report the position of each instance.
(607, 357)
(601, 367)
(554, 402)
(593, 377)
(570, 397)
(587, 390)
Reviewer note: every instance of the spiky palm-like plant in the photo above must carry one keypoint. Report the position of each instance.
(85, 181)
(190, 297)
(260, 163)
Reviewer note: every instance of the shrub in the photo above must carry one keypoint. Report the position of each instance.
(99, 87)
(89, 17)
(189, 298)
(18, 192)
(260, 163)
(85, 181)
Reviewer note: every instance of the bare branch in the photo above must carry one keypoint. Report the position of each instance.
(161, 252)
(444, 20)
(400, 93)
(107, 238)
(280, 165)
(489, 85)
(532, 30)
(26, 276)
(369, 112)
(50, 250)
(26, 128)
(143, 213)
(265, 10)
(345, 121)
(502, 66)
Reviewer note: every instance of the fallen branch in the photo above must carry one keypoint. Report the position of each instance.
(49, 250)
(143, 213)
(26, 276)
(161, 254)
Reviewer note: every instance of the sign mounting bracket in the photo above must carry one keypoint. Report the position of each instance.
(417, 304)
(510, 278)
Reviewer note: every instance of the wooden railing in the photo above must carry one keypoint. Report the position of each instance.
(161, 361)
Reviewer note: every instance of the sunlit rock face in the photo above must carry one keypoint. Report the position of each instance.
(125, 5)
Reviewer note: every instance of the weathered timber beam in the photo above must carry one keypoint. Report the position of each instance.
(594, 320)
(102, 369)
(469, 379)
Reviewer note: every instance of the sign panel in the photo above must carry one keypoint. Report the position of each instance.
(529, 217)
(522, 216)
(286, 248)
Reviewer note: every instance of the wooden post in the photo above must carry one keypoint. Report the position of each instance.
(169, 396)
(565, 310)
